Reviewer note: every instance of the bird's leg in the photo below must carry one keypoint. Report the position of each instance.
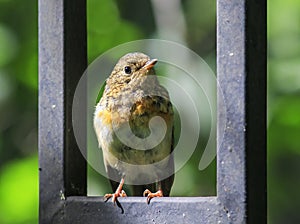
(118, 193)
(147, 193)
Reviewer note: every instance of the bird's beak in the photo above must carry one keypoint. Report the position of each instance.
(149, 64)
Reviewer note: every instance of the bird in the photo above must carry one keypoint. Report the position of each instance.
(134, 125)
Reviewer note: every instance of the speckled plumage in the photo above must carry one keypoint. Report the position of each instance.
(134, 98)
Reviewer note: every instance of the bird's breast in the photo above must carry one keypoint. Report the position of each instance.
(135, 116)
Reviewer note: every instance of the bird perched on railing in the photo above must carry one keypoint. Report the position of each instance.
(133, 122)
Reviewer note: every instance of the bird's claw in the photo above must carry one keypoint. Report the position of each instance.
(147, 193)
(115, 196)
(115, 200)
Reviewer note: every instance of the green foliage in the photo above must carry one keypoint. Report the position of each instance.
(106, 29)
(19, 191)
(18, 112)
(8, 45)
(283, 111)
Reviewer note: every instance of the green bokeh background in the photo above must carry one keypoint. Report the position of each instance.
(114, 22)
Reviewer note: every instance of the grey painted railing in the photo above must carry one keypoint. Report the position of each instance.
(241, 159)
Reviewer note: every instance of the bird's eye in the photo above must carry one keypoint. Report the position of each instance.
(127, 70)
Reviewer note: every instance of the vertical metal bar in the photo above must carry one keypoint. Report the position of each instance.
(256, 86)
(231, 77)
(75, 56)
(51, 109)
(241, 50)
(62, 60)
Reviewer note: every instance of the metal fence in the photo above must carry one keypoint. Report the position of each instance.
(241, 160)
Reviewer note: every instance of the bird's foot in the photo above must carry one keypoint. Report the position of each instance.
(118, 193)
(115, 196)
(147, 193)
(114, 199)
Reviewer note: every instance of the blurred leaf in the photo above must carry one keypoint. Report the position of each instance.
(6, 87)
(284, 46)
(100, 92)
(201, 26)
(283, 188)
(103, 16)
(8, 45)
(283, 18)
(106, 29)
(284, 75)
(29, 70)
(284, 128)
(19, 191)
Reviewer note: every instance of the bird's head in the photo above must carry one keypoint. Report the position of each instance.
(131, 68)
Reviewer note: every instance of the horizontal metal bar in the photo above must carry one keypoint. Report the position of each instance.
(136, 210)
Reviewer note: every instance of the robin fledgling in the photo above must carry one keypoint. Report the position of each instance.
(132, 98)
